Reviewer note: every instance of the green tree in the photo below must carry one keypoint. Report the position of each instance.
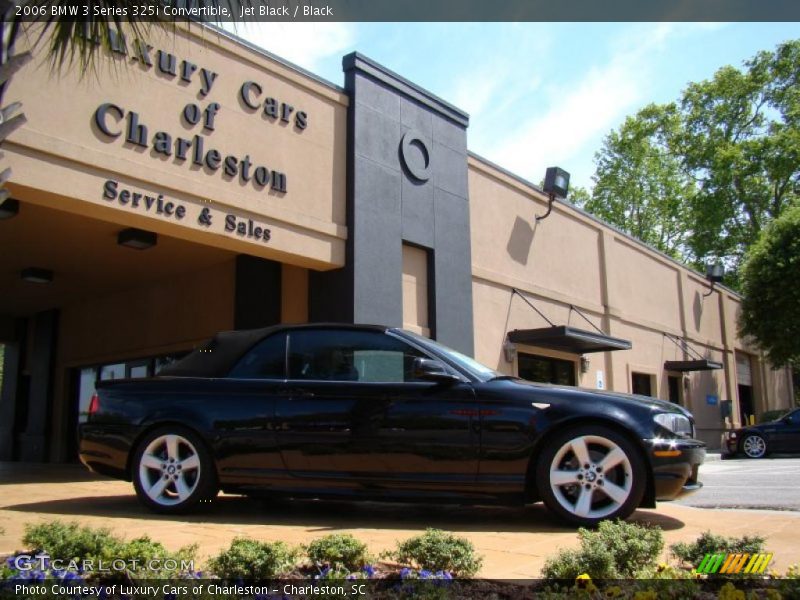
(701, 178)
(640, 185)
(771, 305)
(740, 140)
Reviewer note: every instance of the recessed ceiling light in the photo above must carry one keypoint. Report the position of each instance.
(137, 239)
(9, 208)
(36, 275)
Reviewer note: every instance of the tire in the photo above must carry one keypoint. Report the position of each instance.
(754, 446)
(172, 470)
(578, 491)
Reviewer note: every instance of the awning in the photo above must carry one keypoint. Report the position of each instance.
(692, 365)
(568, 339)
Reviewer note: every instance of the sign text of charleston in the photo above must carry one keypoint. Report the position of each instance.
(113, 120)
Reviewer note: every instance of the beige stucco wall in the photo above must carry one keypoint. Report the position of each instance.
(621, 285)
(62, 159)
(164, 316)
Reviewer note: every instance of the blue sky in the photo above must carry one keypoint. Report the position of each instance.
(538, 94)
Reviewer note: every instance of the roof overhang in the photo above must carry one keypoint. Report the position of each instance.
(692, 365)
(568, 339)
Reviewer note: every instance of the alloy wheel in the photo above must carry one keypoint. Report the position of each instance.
(169, 470)
(591, 476)
(754, 446)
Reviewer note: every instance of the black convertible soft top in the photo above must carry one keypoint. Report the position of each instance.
(220, 354)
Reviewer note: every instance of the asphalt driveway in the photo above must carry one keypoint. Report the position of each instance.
(769, 483)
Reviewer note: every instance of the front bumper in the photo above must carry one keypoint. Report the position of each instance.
(675, 466)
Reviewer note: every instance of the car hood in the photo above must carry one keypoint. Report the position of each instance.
(588, 394)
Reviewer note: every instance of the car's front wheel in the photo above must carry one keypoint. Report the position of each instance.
(754, 446)
(173, 471)
(590, 473)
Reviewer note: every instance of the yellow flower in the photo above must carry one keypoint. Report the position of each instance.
(584, 582)
(615, 591)
(729, 592)
(647, 595)
(773, 594)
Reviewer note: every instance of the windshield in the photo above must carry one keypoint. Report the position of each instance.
(462, 361)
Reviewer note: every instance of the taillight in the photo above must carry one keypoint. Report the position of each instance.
(94, 404)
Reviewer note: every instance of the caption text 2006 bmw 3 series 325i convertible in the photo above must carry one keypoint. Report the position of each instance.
(370, 412)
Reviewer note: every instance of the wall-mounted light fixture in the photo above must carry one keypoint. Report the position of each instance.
(585, 363)
(714, 273)
(36, 275)
(9, 208)
(556, 185)
(509, 350)
(138, 239)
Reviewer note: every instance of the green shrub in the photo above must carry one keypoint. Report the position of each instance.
(437, 550)
(143, 550)
(69, 541)
(614, 550)
(339, 551)
(251, 559)
(708, 543)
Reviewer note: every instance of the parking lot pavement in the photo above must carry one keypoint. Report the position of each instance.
(769, 483)
(515, 542)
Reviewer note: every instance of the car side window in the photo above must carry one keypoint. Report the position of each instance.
(266, 360)
(350, 355)
(794, 418)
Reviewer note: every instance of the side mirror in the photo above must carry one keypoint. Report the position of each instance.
(432, 370)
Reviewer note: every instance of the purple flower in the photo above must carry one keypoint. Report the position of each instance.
(423, 574)
(369, 570)
(405, 573)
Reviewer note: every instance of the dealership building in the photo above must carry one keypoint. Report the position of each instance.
(196, 183)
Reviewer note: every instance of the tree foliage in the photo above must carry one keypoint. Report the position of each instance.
(699, 179)
(771, 304)
(639, 183)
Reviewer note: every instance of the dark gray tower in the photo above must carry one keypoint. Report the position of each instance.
(407, 183)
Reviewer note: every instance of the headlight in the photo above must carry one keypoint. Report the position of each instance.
(677, 424)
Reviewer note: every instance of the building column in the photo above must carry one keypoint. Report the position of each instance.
(605, 241)
(34, 441)
(729, 360)
(9, 393)
(257, 300)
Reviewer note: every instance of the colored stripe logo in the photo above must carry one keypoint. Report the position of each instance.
(731, 564)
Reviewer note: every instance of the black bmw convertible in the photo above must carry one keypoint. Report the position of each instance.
(378, 413)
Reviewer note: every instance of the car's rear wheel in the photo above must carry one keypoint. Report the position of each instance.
(173, 471)
(590, 473)
(754, 446)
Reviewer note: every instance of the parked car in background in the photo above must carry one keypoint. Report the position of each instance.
(371, 412)
(756, 441)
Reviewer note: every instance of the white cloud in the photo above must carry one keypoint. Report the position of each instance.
(305, 44)
(578, 114)
(575, 117)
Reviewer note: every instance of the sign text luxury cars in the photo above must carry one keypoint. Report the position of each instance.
(114, 121)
